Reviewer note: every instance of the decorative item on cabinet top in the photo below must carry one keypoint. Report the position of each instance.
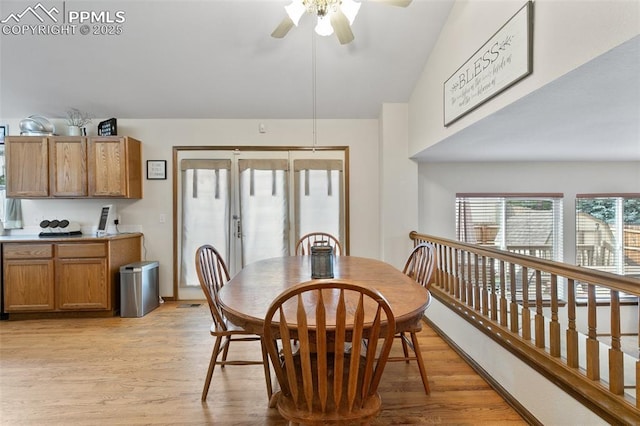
(36, 125)
(108, 127)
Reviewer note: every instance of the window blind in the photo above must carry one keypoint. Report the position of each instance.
(528, 224)
(608, 234)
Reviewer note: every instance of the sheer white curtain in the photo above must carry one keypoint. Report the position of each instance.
(264, 208)
(319, 197)
(205, 212)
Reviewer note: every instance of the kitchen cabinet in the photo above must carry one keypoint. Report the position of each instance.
(115, 167)
(27, 166)
(73, 167)
(81, 276)
(67, 275)
(28, 278)
(68, 167)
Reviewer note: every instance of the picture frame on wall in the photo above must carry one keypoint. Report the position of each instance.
(156, 169)
(4, 131)
(504, 60)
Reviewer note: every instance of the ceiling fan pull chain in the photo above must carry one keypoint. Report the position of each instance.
(313, 90)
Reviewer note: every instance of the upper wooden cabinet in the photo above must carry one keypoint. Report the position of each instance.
(68, 167)
(73, 167)
(27, 166)
(115, 167)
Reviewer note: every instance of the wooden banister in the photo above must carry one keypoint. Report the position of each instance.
(529, 305)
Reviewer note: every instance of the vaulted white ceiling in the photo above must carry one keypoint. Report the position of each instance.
(216, 59)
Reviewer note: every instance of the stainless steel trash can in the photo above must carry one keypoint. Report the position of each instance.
(139, 289)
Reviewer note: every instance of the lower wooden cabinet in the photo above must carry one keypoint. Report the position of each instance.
(30, 285)
(63, 277)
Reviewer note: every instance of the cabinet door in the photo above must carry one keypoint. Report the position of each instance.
(107, 167)
(68, 157)
(27, 163)
(82, 284)
(28, 285)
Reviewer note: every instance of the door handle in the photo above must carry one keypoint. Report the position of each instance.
(238, 226)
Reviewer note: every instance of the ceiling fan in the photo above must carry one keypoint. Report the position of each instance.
(333, 16)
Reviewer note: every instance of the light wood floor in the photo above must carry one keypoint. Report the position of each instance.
(150, 370)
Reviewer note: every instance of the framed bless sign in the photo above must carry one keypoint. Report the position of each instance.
(500, 63)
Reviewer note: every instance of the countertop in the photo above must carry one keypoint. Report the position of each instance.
(28, 238)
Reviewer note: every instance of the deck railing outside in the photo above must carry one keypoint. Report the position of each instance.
(586, 345)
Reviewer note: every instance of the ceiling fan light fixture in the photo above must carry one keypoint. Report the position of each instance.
(295, 11)
(324, 27)
(350, 9)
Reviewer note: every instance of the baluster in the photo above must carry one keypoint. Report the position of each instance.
(445, 267)
(456, 273)
(616, 364)
(463, 278)
(476, 284)
(554, 327)
(485, 285)
(514, 303)
(526, 313)
(572, 333)
(469, 280)
(593, 348)
(503, 295)
(539, 314)
(440, 261)
(450, 276)
(494, 295)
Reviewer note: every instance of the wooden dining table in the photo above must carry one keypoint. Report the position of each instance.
(246, 298)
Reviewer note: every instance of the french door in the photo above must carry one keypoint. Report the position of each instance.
(253, 205)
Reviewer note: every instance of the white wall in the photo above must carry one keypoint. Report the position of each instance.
(439, 183)
(160, 136)
(398, 186)
(567, 34)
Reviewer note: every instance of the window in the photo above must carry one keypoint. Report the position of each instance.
(252, 204)
(319, 197)
(608, 232)
(528, 224)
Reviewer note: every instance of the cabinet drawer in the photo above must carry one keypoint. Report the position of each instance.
(81, 250)
(27, 251)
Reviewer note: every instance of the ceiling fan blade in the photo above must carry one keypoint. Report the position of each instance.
(399, 3)
(341, 27)
(282, 29)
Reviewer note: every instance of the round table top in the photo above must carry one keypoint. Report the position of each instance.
(246, 298)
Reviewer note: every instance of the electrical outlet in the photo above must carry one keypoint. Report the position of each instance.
(163, 218)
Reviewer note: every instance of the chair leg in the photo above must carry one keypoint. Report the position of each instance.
(421, 367)
(226, 345)
(267, 370)
(405, 349)
(212, 365)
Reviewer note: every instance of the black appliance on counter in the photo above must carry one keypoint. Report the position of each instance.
(59, 228)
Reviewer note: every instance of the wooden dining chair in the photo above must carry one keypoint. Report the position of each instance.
(304, 244)
(213, 275)
(324, 378)
(420, 266)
